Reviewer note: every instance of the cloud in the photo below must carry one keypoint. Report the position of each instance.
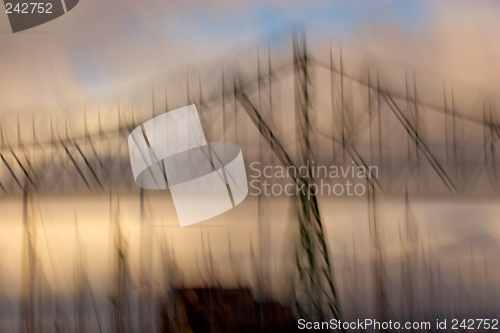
(102, 47)
(456, 39)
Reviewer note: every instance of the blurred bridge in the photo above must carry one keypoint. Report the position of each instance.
(424, 135)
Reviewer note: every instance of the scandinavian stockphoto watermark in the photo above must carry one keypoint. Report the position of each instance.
(328, 180)
(208, 179)
(205, 180)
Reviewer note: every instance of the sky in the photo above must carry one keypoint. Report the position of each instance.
(105, 46)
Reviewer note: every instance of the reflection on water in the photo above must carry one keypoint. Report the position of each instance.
(83, 264)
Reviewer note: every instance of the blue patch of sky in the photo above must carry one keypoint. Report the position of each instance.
(335, 17)
(91, 71)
